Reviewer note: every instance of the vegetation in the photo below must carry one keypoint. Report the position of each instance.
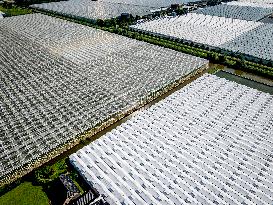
(213, 2)
(29, 2)
(25, 194)
(215, 68)
(14, 10)
(47, 176)
(42, 186)
(49, 173)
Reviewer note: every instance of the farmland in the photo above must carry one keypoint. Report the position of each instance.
(151, 3)
(257, 1)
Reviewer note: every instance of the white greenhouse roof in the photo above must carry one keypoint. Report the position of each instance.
(257, 1)
(247, 37)
(199, 28)
(257, 42)
(93, 9)
(208, 143)
(106, 9)
(59, 79)
(238, 11)
(151, 3)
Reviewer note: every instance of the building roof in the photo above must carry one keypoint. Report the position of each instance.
(69, 185)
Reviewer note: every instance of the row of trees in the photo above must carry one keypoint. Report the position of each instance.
(12, 10)
(29, 2)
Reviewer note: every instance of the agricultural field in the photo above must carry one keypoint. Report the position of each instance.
(248, 37)
(208, 143)
(59, 80)
(238, 11)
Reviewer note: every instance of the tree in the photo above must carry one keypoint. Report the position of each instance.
(240, 64)
(222, 58)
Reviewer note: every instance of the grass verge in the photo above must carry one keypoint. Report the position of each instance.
(15, 11)
(25, 194)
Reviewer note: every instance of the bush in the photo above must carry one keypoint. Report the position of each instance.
(49, 173)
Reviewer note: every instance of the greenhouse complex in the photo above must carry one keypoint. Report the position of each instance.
(208, 30)
(93, 9)
(229, 26)
(136, 102)
(238, 11)
(208, 143)
(257, 1)
(48, 97)
(104, 9)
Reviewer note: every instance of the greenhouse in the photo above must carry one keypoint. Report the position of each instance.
(199, 28)
(208, 143)
(249, 13)
(246, 37)
(151, 3)
(257, 43)
(262, 4)
(257, 1)
(48, 98)
(92, 9)
(106, 9)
